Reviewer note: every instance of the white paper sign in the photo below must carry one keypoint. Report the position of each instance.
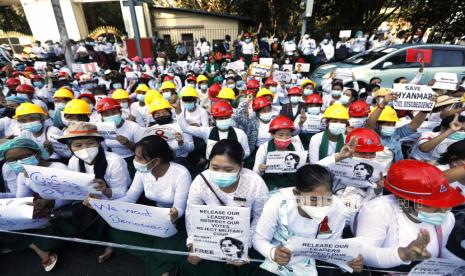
(284, 161)
(281, 76)
(76, 67)
(439, 267)
(236, 66)
(182, 63)
(53, 183)
(288, 67)
(106, 129)
(164, 132)
(220, 232)
(90, 67)
(24, 80)
(313, 124)
(337, 252)
(444, 80)
(344, 74)
(413, 97)
(153, 221)
(16, 214)
(361, 173)
(302, 67)
(133, 75)
(40, 65)
(345, 33)
(98, 98)
(266, 61)
(258, 70)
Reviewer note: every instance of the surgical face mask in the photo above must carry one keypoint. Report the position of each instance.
(282, 143)
(125, 105)
(38, 84)
(432, 218)
(59, 106)
(189, 106)
(248, 40)
(325, 41)
(203, 87)
(17, 166)
(315, 212)
(231, 85)
(266, 117)
(34, 126)
(295, 99)
(114, 118)
(142, 168)
(357, 122)
(166, 95)
(335, 93)
(140, 97)
(344, 99)
(191, 84)
(388, 130)
(308, 91)
(287, 61)
(117, 85)
(223, 179)
(457, 136)
(224, 124)
(170, 74)
(273, 89)
(87, 155)
(22, 95)
(313, 110)
(337, 128)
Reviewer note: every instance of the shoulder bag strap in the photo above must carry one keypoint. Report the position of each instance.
(213, 191)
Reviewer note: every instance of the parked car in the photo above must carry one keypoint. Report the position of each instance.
(388, 63)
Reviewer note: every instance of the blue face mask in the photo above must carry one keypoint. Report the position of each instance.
(17, 166)
(59, 106)
(34, 126)
(224, 124)
(344, 99)
(223, 179)
(24, 96)
(141, 97)
(388, 130)
(266, 117)
(189, 106)
(308, 91)
(432, 218)
(117, 85)
(114, 118)
(142, 168)
(38, 84)
(457, 136)
(313, 110)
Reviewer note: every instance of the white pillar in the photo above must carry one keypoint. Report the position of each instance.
(143, 20)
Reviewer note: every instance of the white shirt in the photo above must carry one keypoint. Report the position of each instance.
(435, 153)
(199, 116)
(130, 130)
(359, 45)
(263, 133)
(141, 113)
(116, 176)
(168, 191)
(52, 134)
(262, 152)
(307, 46)
(248, 48)
(314, 147)
(251, 187)
(456, 184)
(9, 127)
(9, 182)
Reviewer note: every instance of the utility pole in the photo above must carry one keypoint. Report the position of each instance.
(306, 14)
(135, 26)
(63, 34)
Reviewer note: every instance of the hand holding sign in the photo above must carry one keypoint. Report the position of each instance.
(303, 117)
(356, 264)
(455, 125)
(416, 250)
(282, 255)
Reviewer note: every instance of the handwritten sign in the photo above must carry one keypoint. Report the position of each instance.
(337, 252)
(444, 80)
(16, 214)
(266, 61)
(106, 129)
(220, 232)
(53, 183)
(165, 132)
(237, 66)
(258, 70)
(282, 76)
(413, 97)
(418, 55)
(153, 221)
(284, 161)
(438, 267)
(345, 33)
(344, 74)
(361, 173)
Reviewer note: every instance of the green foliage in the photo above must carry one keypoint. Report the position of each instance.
(12, 18)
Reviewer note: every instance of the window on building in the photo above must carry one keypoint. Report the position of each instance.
(188, 41)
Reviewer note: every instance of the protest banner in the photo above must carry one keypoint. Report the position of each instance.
(413, 97)
(76, 67)
(258, 70)
(40, 65)
(345, 33)
(313, 124)
(302, 67)
(361, 173)
(133, 75)
(284, 161)
(16, 214)
(337, 252)
(106, 129)
(438, 267)
(418, 55)
(53, 183)
(90, 67)
(288, 67)
(220, 232)
(237, 66)
(344, 74)
(266, 61)
(165, 132)
(281, 76)
(153, 221)
(444, 80)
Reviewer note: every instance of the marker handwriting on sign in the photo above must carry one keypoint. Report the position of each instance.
(117, 220)
(51, 181)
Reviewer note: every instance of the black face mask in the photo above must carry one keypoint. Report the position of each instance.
(9, 112)
(164, 120)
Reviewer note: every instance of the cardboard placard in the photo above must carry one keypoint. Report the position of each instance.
(266, 61)
(344, 74)
(284, 161)
(302, 67)
(237, 66)
(418, 55)
(258, 70)
(437, 267)
(287, 67)
(133, 75)
(281, 76)
(40, 65)
(413, 97)
(345, 33)
(357, 172)
(445, 80)
(16, 214)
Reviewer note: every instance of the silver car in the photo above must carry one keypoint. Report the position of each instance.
(388, 63)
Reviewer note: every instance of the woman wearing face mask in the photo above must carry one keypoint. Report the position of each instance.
(26, 91)
(168, 91)
(193, 114)
(308, 87)
(162, 183)
(122, 97)
(127, 132)
(191, 80)
(307, 210)
(89, 98)
(310, 120)
(335, 97)
(23, 151)
(348, 97)
(138, 108)
(411, 224)
(222, 118)
(454, 158)
(202, 87)
(383, 119)
(247, 48)
(358, 113)
(9, 127)
(295, 105)
(331, 140)
(42, 90)
(225, 183)
(281, 129)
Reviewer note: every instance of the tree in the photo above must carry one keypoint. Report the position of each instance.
(12, 18)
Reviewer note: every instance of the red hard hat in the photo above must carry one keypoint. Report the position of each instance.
(313, 99)
(281, 122)
(35, 77)
(145, 76)
(221, 109)
(246, 34)
(259, 103)
(191, 78)
(16, 74)
(255, 58)
(168, 78)
(227, 56)
(25, 88)
(89, 96)
(30, 69)
(253, 84)
(214, 90)
(294, 91)
(422, 183)
(12, 82)
(367, 140)
(300, 60)
(107, 104)
(359, 108)
(127, 69)
(270, 81)
(250, 92)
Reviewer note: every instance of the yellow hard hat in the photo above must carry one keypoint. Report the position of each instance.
(382, 92)
(201, 78)
(142, 88)
(64, 92)
(77, 106)
(190, 92)
(264, 92)
(159, 104)
(167, 85)
(28, 108)
(462, 99)
(307, 82)
(152, 95)
(336, 111)
(120, 94)
(388, 115)
(226, 93)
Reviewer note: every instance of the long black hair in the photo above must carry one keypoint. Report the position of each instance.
(154, 146)
(310, 177)
(455, 151)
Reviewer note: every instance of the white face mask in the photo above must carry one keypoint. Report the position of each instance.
(316, 213)
(87, 155)
(357, 122)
